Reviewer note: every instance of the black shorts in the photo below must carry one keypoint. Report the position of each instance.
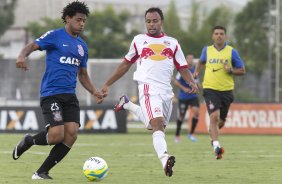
(59, 109)
(218, 100)
(184, 104)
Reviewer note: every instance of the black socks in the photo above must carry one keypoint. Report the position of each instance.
(178, 127)
(194, 124)
(40, 138)
(57, 153)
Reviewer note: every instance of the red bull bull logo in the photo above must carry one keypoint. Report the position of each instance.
(147, 52)
(167, 52)
(157, 52)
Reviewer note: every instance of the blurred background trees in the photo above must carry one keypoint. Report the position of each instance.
(6, 14)
(250, 31)
(105, 32)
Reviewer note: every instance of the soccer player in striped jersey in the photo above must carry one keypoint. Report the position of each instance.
(222, 62)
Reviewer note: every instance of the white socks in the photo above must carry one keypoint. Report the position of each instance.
(159, 142)
(160, 146)
(215, 144)
(135, 109)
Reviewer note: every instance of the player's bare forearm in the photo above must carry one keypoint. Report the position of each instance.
(199, 66)
(234, 71)
(85, 80)
(119, 72)
(186, 75)
(28, 49)
(21, 60)
(179, 85)
(238, 71)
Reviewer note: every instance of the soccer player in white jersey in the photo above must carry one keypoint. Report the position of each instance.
(156, 56)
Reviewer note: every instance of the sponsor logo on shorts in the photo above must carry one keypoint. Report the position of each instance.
(211, 105)
(158, 111)
(57, 116)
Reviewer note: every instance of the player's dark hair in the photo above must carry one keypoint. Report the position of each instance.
(219, 27)
(153, 9)
(75, 7)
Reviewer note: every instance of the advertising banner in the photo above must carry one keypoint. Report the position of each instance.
(248, 118)
(101, 118)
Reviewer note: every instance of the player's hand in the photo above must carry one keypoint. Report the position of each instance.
(195, 75)
(187, 90)
(194, 88)
(227, 68)
(105, 91)
(98, 97)
(21, 63)
(99, 100)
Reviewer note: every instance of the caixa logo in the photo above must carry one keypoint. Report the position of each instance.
(16, 119)
(69, 60)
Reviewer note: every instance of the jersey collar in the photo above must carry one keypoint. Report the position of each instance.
(159, 36)
(221, 48)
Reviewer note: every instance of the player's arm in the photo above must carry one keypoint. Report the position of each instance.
(188, 77)
(237, 67)
(118, 73)
(179, 85)
(198, 69)
(201, 63)
(85, 81)
(234, 71)
(26, 51)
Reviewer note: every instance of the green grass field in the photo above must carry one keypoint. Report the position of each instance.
(132, 160)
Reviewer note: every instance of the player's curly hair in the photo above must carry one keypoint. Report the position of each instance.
(75, 7)
(155, 9)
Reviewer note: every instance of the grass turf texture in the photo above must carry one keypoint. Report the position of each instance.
(132, 160)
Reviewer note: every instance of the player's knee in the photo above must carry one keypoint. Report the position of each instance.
(157, 124)
(73, 137)
(55, 138)
(214, 117)
(70, 139)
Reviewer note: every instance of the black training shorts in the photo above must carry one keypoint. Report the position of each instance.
(184, 104)
(59, 109)
(218, 100)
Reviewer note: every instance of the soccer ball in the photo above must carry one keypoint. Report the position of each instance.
(95, 169)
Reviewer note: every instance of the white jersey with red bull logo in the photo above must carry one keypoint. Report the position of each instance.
(156, 58)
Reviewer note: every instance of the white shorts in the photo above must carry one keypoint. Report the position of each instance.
(154, 103)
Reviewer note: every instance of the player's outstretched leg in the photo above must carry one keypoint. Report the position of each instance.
(22, 146)
(169, 165)
(122, 100)
(41, 176)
